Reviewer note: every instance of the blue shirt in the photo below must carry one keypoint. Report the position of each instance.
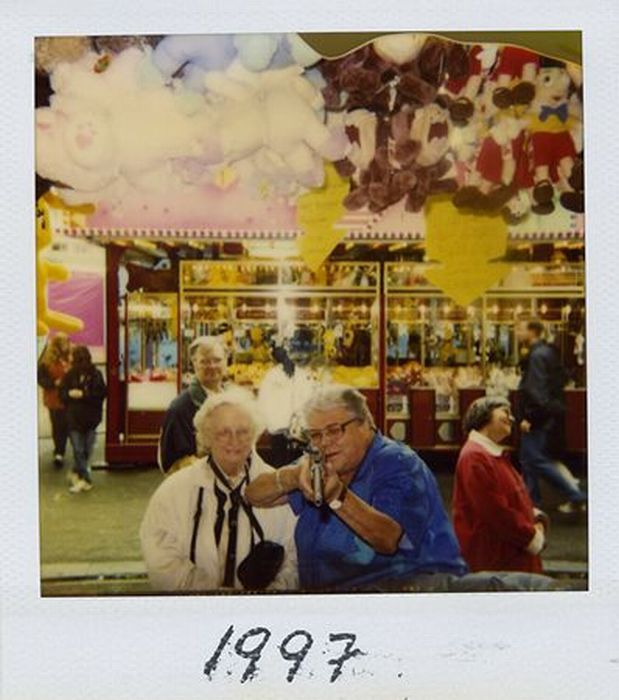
(395, 481)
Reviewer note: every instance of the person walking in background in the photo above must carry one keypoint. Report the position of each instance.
(542, 420)
(53, 366)
(83, 391)
(495, 521)
(177, 442)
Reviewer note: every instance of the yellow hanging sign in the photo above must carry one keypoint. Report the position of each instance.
(317, 212)
(465, 245)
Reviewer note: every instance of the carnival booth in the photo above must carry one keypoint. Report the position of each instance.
(391, 214)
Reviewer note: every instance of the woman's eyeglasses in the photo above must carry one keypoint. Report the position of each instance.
(331, 432)
(238, 435)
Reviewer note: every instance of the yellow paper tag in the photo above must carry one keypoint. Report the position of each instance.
(464, 244)
(317, 212)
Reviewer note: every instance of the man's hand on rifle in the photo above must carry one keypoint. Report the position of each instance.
(331, 483)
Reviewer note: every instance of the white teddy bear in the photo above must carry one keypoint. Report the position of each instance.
(126, 122)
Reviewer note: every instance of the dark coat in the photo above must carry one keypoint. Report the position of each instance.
(542, 397)
(83, 414)
(177, 432)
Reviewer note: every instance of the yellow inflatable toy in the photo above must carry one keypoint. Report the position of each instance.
(49, 271)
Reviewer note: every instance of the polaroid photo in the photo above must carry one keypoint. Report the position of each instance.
(317, 355)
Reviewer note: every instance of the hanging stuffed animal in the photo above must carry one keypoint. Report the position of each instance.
(465, 70)
(501, 167)
(574, 198)
(193, 58)
(49, 271)
(433, 171)
(514, 76)
(553, 150)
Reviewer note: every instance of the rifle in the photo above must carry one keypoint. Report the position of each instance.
(316, 465)
(317, 470)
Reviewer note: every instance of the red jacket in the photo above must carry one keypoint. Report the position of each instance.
(49, 377)
(493, 513)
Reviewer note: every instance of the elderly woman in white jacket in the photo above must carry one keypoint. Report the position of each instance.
(197, 528)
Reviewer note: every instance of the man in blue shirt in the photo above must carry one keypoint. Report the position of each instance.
(382, 524)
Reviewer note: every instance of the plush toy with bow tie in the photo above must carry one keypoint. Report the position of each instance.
(552, 130)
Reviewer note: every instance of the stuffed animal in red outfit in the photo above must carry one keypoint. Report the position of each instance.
(552, 134)
(515, 76)
(466, 70)
(500, 167)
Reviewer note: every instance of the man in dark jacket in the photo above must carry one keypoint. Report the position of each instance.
(542, 413)
(177, 443)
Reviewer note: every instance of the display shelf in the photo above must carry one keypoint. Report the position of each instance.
(282, 275)
(329, 319)
(151, 352)
(436, 345)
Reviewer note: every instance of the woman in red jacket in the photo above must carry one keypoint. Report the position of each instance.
(53, 366)
(494, 518)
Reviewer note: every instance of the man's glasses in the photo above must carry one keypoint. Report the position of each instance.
(331, 432)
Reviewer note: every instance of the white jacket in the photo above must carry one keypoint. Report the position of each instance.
(167, 529)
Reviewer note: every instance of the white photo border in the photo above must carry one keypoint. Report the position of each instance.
(416, 646)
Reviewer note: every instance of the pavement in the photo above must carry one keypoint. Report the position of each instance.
(90, 543)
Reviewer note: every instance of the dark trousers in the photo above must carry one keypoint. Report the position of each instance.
(60, 429)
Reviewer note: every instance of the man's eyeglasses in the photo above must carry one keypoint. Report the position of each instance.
(331, 432)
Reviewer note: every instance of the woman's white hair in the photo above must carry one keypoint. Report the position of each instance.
(232, 396)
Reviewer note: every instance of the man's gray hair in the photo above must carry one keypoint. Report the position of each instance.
(326, 398)
(232, 396)
(208, 343)
(479, 412)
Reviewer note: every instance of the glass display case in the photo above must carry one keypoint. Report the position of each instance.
(327, 319)
(456, 352)
(150, 359)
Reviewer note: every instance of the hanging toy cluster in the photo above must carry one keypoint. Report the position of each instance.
(230, 130)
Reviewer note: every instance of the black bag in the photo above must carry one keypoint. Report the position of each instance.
(262, 564)
(265, 559)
